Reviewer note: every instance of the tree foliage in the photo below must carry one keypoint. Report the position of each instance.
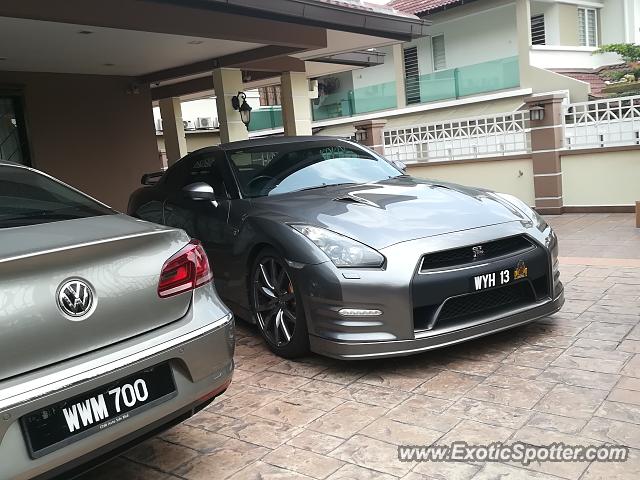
(630, 52)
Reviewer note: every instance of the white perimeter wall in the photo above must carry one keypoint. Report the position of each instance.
(507, 176)
(601, 179)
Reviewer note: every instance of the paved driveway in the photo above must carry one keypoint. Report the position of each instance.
(573, 378)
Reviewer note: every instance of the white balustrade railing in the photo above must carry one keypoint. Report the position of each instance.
(477, 137)
(602, 123)
(595, 124)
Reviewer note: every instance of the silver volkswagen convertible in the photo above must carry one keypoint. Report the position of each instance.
(110, 328)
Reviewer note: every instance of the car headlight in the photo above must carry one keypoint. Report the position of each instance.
(342, 251)
(526, 210)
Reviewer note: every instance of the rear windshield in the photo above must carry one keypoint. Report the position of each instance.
(29, 198)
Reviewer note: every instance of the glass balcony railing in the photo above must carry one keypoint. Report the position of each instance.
(462, 81)
(352, 102)
(448, 84)
(265, 118)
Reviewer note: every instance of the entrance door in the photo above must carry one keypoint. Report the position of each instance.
(13, 138)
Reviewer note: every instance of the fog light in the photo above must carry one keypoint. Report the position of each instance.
(359, 312)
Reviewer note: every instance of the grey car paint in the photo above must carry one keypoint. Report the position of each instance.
(46, 357)
(404, 218)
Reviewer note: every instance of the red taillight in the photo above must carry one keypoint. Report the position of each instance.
(186, 270)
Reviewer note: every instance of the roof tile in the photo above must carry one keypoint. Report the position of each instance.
(416, 7)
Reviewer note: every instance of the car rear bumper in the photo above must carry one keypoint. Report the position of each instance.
(431, 340)
(199, 352)
(97, 457)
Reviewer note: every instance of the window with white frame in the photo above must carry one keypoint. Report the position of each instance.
(439, 57)
(588, 27)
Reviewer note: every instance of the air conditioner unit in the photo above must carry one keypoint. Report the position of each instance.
(204, 123)
(158, 125)
(215, 123)
(188, 125)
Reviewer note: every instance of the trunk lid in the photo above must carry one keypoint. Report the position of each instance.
(120, 258)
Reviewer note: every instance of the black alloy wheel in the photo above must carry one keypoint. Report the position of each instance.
(276, 308)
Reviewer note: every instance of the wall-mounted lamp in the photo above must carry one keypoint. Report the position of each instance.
(243, 108)
(536, 113)
(361, 135)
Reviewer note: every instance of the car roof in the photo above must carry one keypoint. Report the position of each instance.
(8, 163)
(283, 140)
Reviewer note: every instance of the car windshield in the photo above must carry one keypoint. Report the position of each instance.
(29, 198)
(273, 170)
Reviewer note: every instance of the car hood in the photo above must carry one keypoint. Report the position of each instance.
(392, 211)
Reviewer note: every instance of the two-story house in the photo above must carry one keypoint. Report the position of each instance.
(482, 57)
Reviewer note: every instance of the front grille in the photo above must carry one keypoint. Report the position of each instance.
(464, 255)
(487, 302)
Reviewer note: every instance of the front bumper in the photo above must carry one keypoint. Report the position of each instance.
(433, 340)
(402, 294)
(199, 351)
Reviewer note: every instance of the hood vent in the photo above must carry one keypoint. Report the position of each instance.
(350, 198)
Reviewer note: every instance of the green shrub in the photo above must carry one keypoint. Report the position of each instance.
(630, 52)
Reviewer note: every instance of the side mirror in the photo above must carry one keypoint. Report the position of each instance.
(150, 179)
(199, 191)
(400, 166)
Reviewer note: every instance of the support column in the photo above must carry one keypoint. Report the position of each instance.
(296, 107)
(175, 143)
(227, 82)
(398, 66)
(547, 141)
(523, 28)
(369, 133)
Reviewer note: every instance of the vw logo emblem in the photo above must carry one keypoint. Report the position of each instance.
(75, 298)
(478, 251)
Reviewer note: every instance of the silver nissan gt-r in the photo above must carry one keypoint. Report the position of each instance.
(110, 328)
(329, 247)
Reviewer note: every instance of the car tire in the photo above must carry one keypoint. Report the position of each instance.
(276, 305)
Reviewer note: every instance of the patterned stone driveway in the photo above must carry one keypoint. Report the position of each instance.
(573, 378)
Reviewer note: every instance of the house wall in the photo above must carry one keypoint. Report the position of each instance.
(425, 57)
(551, 14)
(340, 95)
(458, 112)
(502, 175)
(568, 24)
(633, 26)
(88, 131)
(206, 107)
(428, 116)
(558, 57)
(365, 77)
(561, 21)
(474, 36)
(601, 179)
(612, 22)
